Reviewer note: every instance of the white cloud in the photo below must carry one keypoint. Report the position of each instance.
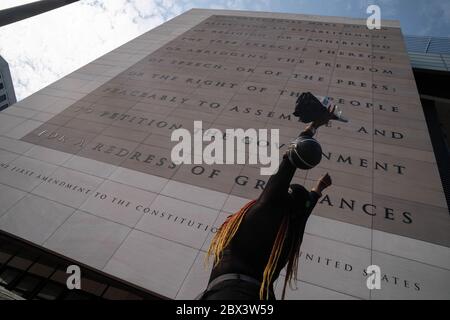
(44, 48)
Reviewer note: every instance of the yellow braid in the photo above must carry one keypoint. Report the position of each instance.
(226, 232)
(273, 259)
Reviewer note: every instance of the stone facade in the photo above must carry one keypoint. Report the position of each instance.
(85, 163)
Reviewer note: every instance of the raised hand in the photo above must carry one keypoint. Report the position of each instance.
(325, 117)
(323, 183)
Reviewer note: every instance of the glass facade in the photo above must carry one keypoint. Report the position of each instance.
(429, 52)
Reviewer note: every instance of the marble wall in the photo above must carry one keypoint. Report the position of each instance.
(85, 167)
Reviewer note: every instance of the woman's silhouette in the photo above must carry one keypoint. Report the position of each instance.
(253, 245)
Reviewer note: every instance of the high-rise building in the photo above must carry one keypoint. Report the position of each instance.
(430, 59)
(7, 95)
(86, 174)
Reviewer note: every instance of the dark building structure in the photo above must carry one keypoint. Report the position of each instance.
(430, 59)
(7, 95)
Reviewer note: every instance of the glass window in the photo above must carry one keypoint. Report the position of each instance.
(43, 267)
(26, 285)
(93, 286)
(2, 97)
(60, 276)
(4, 257)
(21, 263)
(8, 276)
(50, 291)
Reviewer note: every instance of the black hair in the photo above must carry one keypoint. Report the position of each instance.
(300, 198)
(299, 208)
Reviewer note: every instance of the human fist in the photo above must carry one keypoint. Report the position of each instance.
(323, 183)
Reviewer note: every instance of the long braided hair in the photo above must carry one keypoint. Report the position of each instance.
(229, 228)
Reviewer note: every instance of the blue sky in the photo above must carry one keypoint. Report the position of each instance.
(42, 49)
(417, 17)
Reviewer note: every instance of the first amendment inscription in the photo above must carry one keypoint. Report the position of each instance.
(242, 72)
